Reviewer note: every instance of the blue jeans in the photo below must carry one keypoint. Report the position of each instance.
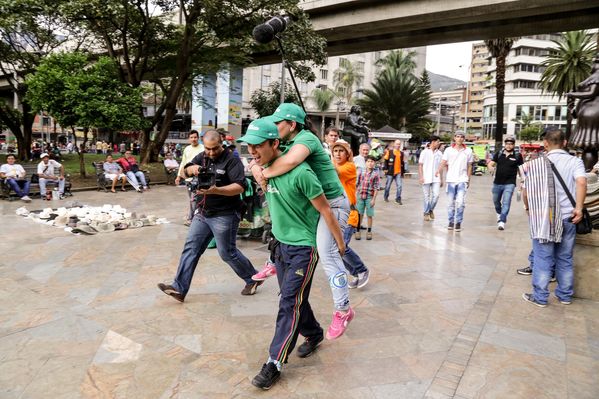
(331, 260)
(431, 196)
(136, 178)
(398, 181)
(351, 260)
(20, 187)
(558, 255)
(202, 229)
(502, 199)
(456, 198)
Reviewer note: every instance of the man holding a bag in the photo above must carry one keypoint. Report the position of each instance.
(553, 192)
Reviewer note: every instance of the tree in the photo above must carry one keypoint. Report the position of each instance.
(28, 31)
(425, 80)
(567, 65)
(89, 95)
(398, 98)
(265, 102)
(499, 49)
(323, 100)
(151, 45)
(346, 77)
(530, 133)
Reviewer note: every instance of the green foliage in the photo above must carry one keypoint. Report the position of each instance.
(78, 93)
(569, 63)
(323, 99)
(425, 80)
(398, 98)
(346, 77)
(526, 120)
(265, 102)
(531, 133)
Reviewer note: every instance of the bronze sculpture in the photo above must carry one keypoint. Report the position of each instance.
(586, 136)
(356, 129)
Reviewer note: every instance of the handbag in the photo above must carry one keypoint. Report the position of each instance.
(585, 226)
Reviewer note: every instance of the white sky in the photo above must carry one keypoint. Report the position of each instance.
(445, 59)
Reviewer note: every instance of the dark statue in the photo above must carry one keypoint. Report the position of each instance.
(356, 129)
(586, 135)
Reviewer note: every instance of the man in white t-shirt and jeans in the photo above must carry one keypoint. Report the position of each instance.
(47, 171)
(428, 164)
(458, 159)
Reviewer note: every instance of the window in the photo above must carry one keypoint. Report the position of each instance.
(528, 68)
(526, 84)
(531, 51)
(360, 66)
(343, 62)
(324, 74)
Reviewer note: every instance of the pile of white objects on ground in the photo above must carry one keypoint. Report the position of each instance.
(77, 218)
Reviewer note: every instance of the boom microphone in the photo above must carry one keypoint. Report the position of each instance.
(266, 32)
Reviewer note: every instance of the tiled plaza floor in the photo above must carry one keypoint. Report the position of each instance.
(81, 317)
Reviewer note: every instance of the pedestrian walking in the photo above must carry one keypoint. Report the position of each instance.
(428, 164)
(507, 162)
(394, 168)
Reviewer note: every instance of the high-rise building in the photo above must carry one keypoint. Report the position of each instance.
(523, 95)
(473, 109)
(261, 77)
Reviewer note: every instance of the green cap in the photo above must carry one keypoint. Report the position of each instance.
(289, 112)
(259, 131)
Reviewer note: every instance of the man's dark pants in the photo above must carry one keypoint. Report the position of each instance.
(224, 230)
(295, 269)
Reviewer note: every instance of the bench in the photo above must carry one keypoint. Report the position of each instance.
(170, 176)
(34, 188)
(104, 183)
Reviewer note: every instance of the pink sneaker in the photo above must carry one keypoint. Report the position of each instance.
(339, 323)
(267, 271)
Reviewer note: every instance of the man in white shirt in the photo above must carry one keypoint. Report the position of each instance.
(458, 160)
(331, 135)
(14, 176)
(428, 163)
(189, 153)
(360, 160)
(46, 171)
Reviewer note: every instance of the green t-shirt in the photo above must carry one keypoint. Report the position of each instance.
(294, 219)
(320, 162)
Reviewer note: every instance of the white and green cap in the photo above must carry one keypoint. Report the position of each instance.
(259, 131)
(289, 112)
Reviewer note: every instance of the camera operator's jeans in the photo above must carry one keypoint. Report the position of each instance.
(202, 229)
(502, 199)
(329, 253)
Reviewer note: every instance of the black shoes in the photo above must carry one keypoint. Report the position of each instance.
(250, 289)
(171, 291)
(531, 299)
(458, 227)
(309, 346)
(526, 271)
(398, 201)
(267, 376)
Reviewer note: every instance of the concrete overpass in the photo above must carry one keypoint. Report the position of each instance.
(354, 26)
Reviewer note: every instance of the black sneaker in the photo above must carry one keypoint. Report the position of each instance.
(309, 346)
(398, 202)
(450, 226)
(171, 291)
(526, 271)
(250, 289)
(267, 376)
(458, 227)
(531, 299)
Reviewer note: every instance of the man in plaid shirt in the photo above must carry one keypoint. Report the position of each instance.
(368, 188)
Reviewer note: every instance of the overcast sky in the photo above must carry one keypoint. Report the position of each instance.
(445, 59)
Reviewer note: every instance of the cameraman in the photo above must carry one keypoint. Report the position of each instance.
(217, 215)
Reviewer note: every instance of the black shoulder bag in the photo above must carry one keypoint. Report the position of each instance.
(585, 226)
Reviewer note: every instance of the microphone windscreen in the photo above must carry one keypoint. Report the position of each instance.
(263, 33)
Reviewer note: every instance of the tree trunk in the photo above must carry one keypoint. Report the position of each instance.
(500, 92)
(82, 155)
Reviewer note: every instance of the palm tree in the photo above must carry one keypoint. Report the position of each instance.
(323, 100)
(397, 98)
(399, 59)
(345, 77)
(499, 49)
(567, 65)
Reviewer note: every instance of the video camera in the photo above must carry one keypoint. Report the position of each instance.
(205, 179)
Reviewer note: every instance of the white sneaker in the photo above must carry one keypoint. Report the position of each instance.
(25, 198)
(501, 226)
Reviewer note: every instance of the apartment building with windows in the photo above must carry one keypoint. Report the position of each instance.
(523, 95)
(476, 90)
